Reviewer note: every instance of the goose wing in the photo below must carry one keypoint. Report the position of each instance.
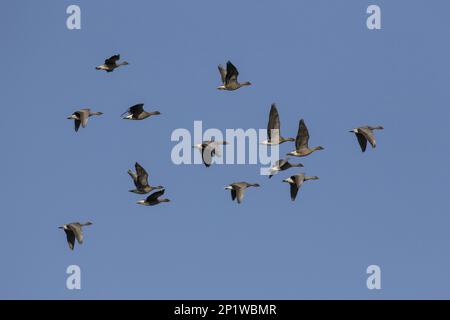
(142, 175)
(76, 229)
(77, 124)
(273, 127)
(223, 73)
(295, 187)
(302, 139)
(362, 141)
(232, 73)
(112, 60)
(136, 109)
(239, 193)
(368, 134)
(83, 115)
(155, 195)
(70, 238)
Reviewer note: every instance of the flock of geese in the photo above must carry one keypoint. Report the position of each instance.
(210, 149)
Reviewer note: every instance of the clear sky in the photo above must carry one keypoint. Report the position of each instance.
(316, 59)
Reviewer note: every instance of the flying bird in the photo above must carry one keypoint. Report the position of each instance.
(365, 134)
(296, 181)
(273, 128)
(111, 64)
(301, 142)
(81, 117)
(282, 165)
(209, 149)
(137, 112)
(229, 78)
(238, 188)
(140, 179)
(74, 231)
(153, 199)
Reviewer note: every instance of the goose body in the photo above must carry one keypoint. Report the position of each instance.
(111, 64)
(140, 179)
(74, 231)
(154, 199)
(282, 165)
(82, 116)
(364, 134)
(209, 149)
(238, 188)
(137, 112)
(296, 181)
(301, 142)
(229, 77)
(273, 128)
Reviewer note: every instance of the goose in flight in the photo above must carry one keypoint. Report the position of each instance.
(282, 165)
(140, 179)
(301, 142)
(74, 231)
(111, 64)
(229, 78)
(153, 199)
(365, 134)
(238, 188)
(81, 117)
(273, 128)
(296, 181)
(209, 149)
(137, 112)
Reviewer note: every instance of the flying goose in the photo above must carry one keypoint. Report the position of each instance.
(301, 142)
(296, 181)
(365, 134)
(140, 179)
(111, 64)
(82, 117)
(238, 188)
(273, 128)
(74, 230)
(153, 199)
(281, 165)
(229, 78)
(137, 112)
(209, 149)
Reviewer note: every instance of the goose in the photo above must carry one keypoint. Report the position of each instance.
(281, 165)
(140, 179)
(230, 78)
(82, 117)
(74, 230)
(273, 128)
(111, 64)
(209, 149)
(137, 112)
(238, 188)
(365, 134)
(301, 142)
(296, 181)
(153, 199)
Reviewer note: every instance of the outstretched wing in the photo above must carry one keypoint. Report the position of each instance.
(273, 127)
(112, 60)
(239, 194)
(232, 73)
(368, 134)
(142, 175)
(77, 125)
(362, 141)
(70, 238)
(302, 139)
(76, 229)
(136, 109)
(83, 115)
(223, 73)
(155, 195)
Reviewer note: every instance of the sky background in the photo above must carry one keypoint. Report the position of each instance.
(316, 59)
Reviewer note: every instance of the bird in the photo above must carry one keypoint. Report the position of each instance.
(74, 231)
(153, 199)
(296, 181)
(140, 179)
(137, 112)
(208, 150)
(111, 64)
(365, 134)
(229, 78)
(301, 142)
(273, 128)
(238, 188)
(82, 117)
(281, 165)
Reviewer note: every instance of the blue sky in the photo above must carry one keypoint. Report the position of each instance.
(315, 59)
